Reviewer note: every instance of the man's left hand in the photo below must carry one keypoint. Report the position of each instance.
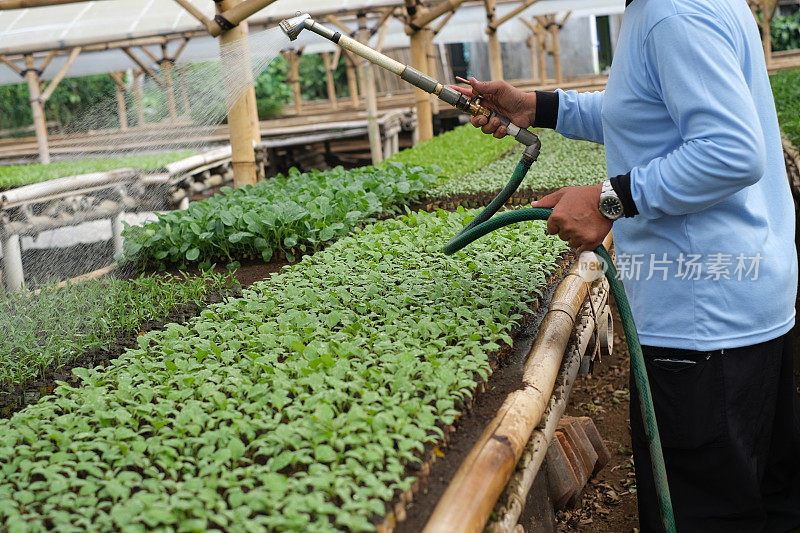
(576, 217)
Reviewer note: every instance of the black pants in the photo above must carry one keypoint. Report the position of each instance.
(730, 431)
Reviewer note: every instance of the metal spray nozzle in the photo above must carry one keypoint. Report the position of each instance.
(293, 26)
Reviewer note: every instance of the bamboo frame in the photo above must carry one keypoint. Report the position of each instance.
(22, 4)
(495, 50)
(330, 67)
(333, 19)
(196, 13)
(122, 111)
(426, 16)
(142, 65)
(419, 60)
(151, 55)
(236, 14)
(242, 118)
(137, 96)
(73, 55)
(47, 60)
(13, 66)
(293, 57)
(368, 78)
(470, 498)
(352, 81)
(768, 9)
(540, 60)
(166, 65)
(37, 108)
(508, 16)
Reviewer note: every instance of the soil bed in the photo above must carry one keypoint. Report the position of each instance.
(30, 392)
(506, 377)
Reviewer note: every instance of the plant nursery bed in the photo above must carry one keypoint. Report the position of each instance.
(506, 377)
(300, 406)
(19, 396)
(50, 332)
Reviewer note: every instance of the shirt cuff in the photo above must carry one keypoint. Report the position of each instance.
(546, 110)
(622, 186)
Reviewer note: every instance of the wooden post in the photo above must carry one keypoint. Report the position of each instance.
(122, 111)
(13, 273)
(37, 107)
(240, 112)
(184, 91)
(48, 92)
(329, 69)
(419, 60)
(495, 51)
(138, 76)
(166, 67)
(368, 78)
(294, 79)
(534, 59)
(432, 68)
(352, 81)
(554, 27)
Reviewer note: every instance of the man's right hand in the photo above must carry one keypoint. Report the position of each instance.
(503, 98)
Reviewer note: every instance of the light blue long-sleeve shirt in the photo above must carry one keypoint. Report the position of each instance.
(709, 262)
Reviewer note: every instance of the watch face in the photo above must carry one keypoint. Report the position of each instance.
(611, 207)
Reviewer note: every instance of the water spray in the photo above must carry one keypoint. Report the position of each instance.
(486, 222)
(472, 106)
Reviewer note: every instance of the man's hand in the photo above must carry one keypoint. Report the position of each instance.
(576, 217)
(502, 98)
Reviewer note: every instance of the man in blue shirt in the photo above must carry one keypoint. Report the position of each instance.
(704, 232)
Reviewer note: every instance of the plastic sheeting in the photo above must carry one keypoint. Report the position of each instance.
(102, 21)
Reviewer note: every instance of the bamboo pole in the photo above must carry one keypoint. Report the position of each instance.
(235, 14)
(142, 65)
(137, 95)
(555, 29)
(166, 68)
(240, 110)
(60, 75)
(495, 51)
(294, 78)
(184, 91)
(508, 16)
(329, 68)
(531, 42)
(196, 13)
(122, 111)
(419, 60)
(424, 16)
(11, 64)
(541, 52)
(430, 52)
(382, 35)
(21, 4)
(470, 498)
(47, 60)
(368, 77)
(151, 55)
(37, 108)
(95, 43)
(352, 82)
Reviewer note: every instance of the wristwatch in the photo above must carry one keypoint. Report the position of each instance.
(610, 204)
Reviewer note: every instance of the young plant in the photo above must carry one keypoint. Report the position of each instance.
(297, 407)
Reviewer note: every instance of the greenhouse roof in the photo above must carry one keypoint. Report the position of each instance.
(94, 24)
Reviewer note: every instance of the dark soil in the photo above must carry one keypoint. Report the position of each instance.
(506, 377)
(609, 500)
(22, 395)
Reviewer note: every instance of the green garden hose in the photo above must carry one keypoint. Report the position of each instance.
(484, 223)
